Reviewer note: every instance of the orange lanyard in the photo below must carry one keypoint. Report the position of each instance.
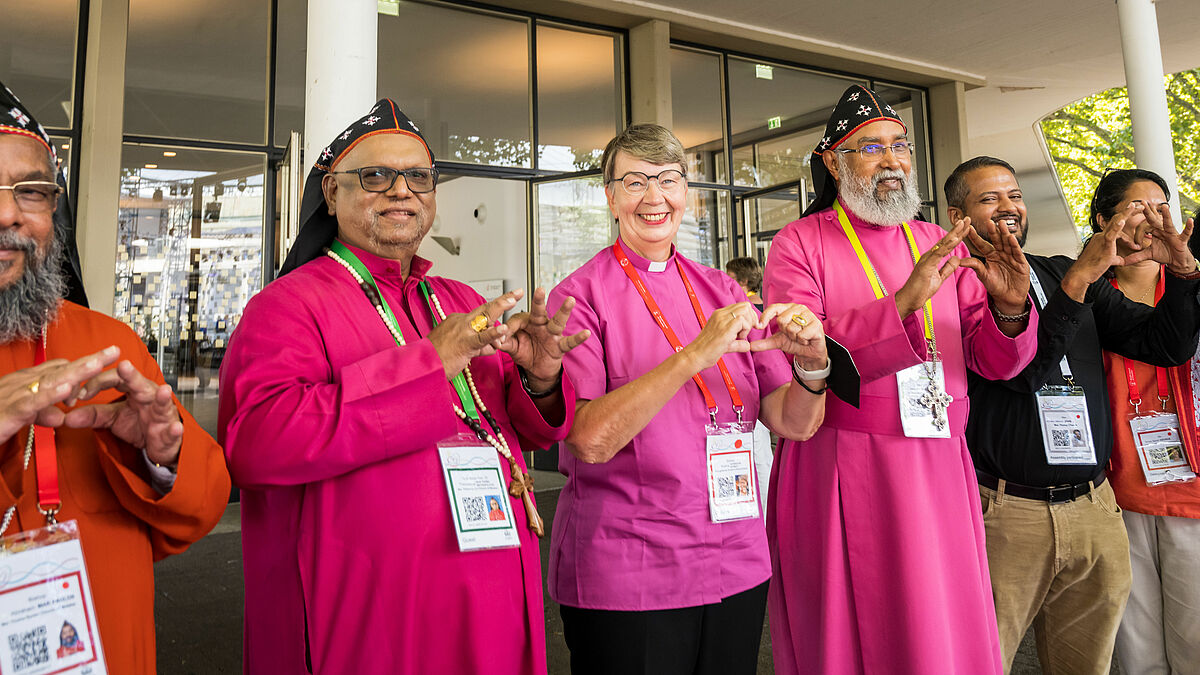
(1135, 394)
(673, 339)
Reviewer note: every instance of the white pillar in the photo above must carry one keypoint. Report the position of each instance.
(340, 69)
(1147, 93)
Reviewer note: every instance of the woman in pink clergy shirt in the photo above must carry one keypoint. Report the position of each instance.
(660, 566)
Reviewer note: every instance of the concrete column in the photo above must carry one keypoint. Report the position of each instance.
(340, 69)
(947, 136)
(100, 149)
(1147, 93)
(650, 73)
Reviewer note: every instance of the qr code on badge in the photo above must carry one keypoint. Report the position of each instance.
(1061, 438)
(474, 509)
(724, 486)
(29, 649)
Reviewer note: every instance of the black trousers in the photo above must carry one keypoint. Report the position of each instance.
(721, 639)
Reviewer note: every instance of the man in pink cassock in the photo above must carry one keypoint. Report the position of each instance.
(340, 388)
(877, 545)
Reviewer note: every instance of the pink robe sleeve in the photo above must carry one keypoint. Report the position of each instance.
(986, 350)
(287, 418)
(880, 342)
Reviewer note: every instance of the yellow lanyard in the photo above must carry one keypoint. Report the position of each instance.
(873, 275)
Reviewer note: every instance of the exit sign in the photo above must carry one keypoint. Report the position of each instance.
(774, 122)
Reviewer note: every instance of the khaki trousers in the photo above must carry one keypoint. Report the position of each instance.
(1160, 633)
(1064, 568)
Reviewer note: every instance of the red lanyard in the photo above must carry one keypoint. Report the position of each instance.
(45, 453)
(1135, 394)
(673, 339)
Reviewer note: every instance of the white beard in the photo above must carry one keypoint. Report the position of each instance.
(862, 195)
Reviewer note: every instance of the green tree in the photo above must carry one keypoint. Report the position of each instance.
(1096, 133)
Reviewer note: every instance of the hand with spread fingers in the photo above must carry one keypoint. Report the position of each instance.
(1164, 244)
(536, 342)
(935, 267)
(145, 418)
(462, 337)
(1001, 267)
(29, 395)
(1098, 255)
(800, 334)
(724, 332)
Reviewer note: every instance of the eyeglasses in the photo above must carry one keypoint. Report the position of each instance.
(876, 150)
(636, 182)
(34, 196)
(382, 178)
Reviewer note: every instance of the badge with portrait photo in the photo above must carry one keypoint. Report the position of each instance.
(480, 510)
(1066, 427)
(1160, 448)
(47, 617)
(732, 486)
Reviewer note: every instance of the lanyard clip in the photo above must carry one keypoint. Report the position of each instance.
(1162, 402)
(712, 414)
(738, 409)
(50, 513)
(1136, 406)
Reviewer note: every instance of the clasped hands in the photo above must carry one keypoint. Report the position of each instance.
(799, 334)
(146, 417)
(533, 339)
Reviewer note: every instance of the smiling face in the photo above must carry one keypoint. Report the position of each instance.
(993, 194)
(1149, 195)
(648, 222)
(387, 224)
(878, 189)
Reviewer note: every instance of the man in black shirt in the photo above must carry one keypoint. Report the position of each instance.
(1057, 550)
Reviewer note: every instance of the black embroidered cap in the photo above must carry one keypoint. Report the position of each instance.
(15, 119)
(857, 108)
(317, 227)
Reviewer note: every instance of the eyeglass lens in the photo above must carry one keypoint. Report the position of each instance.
(33, 197)
(875, 150)
(635, 182)
(382, 178)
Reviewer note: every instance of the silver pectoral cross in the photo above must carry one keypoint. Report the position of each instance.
(937, 401)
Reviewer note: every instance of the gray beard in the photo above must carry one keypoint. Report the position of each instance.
(31, 302)
(861, 195)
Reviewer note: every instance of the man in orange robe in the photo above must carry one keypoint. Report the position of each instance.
(139, 475)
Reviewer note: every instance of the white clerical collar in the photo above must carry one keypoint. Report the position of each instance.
(657, 266)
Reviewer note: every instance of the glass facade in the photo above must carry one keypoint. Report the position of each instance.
(517, 108)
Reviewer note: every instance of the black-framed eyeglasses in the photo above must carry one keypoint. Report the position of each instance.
(876, 150)
(34, 196)
(382, 178)
(636, 182)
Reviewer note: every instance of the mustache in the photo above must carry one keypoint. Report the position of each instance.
(17, 242)
(887, 174)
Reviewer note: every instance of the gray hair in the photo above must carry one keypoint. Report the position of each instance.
(31, 302)
(650, 142)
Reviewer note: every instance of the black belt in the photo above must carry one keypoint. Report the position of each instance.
(1055, 495)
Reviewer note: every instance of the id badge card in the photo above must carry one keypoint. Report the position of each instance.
(1160, 449)
(47, 618)
(1066, 428)
(924, 401)
(479, 506)
(732, 485)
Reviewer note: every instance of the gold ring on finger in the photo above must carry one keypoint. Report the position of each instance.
(480, 323)
(799, 320)
(34, 386)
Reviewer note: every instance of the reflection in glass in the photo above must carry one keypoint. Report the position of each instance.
(62, 146)
(37, 57)
(580, 97)
(197, 69)
(463, 77)
(189, 257)
(697, 110)
(291, 50)
(700, 228)
(765, 215)
(572, 223)
(777, 117)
